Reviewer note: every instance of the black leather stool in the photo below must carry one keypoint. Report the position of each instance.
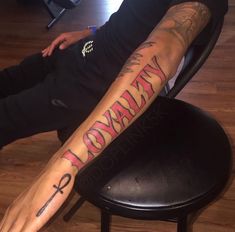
(169, 164)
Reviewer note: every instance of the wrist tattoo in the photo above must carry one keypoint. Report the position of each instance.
(64, 181)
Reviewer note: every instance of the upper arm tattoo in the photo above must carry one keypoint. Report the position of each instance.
(184, 21)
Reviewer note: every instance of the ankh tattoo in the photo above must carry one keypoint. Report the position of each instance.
(64, 181)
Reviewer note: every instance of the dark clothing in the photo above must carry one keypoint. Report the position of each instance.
(43, 94)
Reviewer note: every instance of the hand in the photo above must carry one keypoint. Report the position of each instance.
(32, 209)
(65, 40)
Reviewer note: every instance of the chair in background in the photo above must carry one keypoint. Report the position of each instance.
(182, 160)
(57, 8)
(166, 166)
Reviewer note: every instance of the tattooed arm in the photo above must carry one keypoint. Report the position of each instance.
(145, 73)
(137, 85)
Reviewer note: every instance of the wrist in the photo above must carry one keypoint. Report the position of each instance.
(92, 29)
(61, 165)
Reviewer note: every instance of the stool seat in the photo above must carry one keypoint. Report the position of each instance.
(173, 160)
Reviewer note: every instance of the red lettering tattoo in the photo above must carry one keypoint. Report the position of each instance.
(98, 145)
(131, 101)
(75, 160)
(121, 113)
(147, 86)
(118, 116)
(158, 71)
(109, 128)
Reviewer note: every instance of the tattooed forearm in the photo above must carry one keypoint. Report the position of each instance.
(146, 78)
(64, 181)
(146, 44)
(135, 58)
(120, 114)
(185, 21)
(75, 160)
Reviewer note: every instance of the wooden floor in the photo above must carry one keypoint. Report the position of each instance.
(22, 32)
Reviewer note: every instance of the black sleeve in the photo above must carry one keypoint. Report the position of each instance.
(218, 9)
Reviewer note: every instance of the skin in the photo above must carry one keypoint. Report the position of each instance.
(65, 40)
(135, 88)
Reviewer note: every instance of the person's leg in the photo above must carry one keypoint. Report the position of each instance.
(65, 97)
(28, 73)
(61, 99)
(32, 111)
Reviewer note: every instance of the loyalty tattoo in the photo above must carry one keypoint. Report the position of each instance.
(120, 114)
(64, 181)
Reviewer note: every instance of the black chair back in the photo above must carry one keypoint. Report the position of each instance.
(195, 58)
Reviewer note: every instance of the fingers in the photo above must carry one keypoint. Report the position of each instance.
(45, 52)
(55, 43)
(3, 220)
(63, 41)
(28, 228)
(19, 226)
(6, 222)
(14, 222)
(15, 225)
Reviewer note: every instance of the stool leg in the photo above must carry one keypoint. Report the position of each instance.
(105, 221)
(74, 209)
(184, 223)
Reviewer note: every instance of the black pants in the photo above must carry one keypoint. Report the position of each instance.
(53, 93)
